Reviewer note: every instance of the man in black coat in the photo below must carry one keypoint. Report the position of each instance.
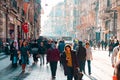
(81, 56)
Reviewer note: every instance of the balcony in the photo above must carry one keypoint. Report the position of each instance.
(14, 7)
(116, 4)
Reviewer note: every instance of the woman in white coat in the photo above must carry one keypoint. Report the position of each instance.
(88, 57)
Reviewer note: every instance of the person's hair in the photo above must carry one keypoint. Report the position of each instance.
(23, 43)
(68, 46)
(118, 71)
(87, 43)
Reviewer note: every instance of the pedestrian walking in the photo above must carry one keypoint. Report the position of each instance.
(42, 51)
(24, 55)
(105, 45)
(75, 44)
(14, 55)
(111, 46)
(53, 56)
(89, 57)
(102, 43)
(34, 51)
(69, 62)
(61, 47)
(94, 44)
(81, 55)
(98, 45)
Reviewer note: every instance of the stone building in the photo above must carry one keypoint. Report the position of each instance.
(88, 20)
(116, 7)
(109, 16)
(13, 14)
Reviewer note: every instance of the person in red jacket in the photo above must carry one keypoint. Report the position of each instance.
(53, 56)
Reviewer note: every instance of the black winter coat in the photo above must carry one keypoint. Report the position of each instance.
(81, 53)
(74, 61)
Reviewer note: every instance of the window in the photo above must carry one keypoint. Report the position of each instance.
(108, 3)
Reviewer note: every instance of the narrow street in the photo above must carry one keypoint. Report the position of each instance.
(101, 69)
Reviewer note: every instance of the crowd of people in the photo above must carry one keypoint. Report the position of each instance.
(71, 57)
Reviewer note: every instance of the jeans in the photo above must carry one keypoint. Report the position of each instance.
(82, 65)
(89, 66)
(70, 74)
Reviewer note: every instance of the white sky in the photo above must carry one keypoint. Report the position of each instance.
(47, 9)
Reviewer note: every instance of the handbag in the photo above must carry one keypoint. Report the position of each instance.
(114, 77)
(78, 74)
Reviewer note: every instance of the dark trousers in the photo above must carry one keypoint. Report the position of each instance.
(70, 74)
(53, 67)
(82, 65)
(89, 66)
(35, 58)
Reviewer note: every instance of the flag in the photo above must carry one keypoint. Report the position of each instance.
(25, 27)
(26, 5)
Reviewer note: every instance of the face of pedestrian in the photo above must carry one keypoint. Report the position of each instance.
(24, 43)
(68, 48)
(87, 45)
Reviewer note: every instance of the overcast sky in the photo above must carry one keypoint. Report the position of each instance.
(47, 9)
(50, 4)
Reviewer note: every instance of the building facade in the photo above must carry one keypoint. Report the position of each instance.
(88, 18)
(13, 14)
(109, 16)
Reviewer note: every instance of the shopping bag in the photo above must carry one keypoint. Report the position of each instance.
(78, 74)
(114, 77)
